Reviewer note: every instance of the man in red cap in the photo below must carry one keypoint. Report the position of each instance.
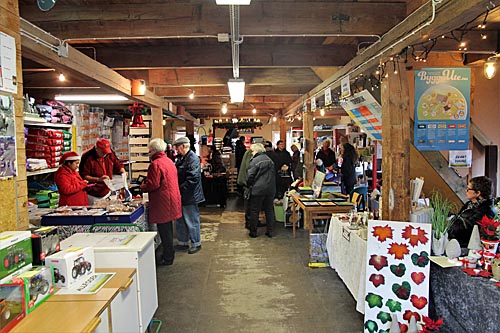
(98, 164)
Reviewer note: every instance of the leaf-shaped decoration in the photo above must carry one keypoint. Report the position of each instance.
(374, 300)
(402, 290)
(415, 235)
(421, 260)
(382, 233)
(393, 305)
(398, 270)
(398, 250)
(378, 262)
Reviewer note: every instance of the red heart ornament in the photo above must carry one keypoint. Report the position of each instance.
(418, 302)
(418, 278)
(403, 328)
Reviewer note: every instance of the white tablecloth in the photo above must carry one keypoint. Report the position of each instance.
(347, 255)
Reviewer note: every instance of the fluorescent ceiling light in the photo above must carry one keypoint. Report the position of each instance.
(93, 98)
(236, 90)
(232, 2)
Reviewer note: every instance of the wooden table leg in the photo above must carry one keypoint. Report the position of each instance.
(294, 218)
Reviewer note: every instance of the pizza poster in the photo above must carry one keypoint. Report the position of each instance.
(442, 108)
(397, 274)
(366, 112)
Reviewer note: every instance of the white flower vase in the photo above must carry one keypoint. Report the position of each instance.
(438, 246)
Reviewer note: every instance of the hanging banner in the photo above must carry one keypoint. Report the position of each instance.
(397, 274)
(328, 96)
(313, 103)
(7, 138)
(442, 104)
(460, 159)
(8, 79)
(345, 87)
(366, 112)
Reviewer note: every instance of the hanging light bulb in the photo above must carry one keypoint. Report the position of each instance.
(62, 78)
(191, 95)
(322, 112)
(224, 108)
(254, 111)
(490, 68)
(274, 119)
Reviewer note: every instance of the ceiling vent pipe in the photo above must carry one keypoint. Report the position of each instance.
(234, 22)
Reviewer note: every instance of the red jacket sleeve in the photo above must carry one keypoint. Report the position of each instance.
(117, 165)
(68, 183)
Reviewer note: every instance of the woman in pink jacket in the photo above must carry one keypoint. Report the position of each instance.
(70, 184)
(164, 197)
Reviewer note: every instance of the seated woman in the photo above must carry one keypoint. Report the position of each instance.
(478, 204)
(215, 161)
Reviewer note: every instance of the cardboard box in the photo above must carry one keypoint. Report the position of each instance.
(38, 286)
(44, 241)
(12, 305)
(71, 265)
(15, 251)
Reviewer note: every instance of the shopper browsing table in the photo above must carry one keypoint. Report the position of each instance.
(69, 183)
(189, 176)
(97, 165)
(164, 197)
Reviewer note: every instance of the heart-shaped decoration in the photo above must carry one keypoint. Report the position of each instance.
(403, 328)
(398, 270)
(377, 279)
(418, 277)
(402, 291)
(418, 302)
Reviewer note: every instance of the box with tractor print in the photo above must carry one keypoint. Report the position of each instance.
(12, 305)
(71, 265)
(15, 251)
(38, 285)
(44, 242)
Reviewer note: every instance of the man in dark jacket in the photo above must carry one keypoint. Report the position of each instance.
(239, 151)
(282, 166)
(189, 175)
(261, 183)
(327, 155)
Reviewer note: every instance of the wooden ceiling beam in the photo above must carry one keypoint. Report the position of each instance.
(463, 11)
(224, 92)
(248, 99)
(202, 18)
(261, 55)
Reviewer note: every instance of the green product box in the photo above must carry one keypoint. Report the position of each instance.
(15, 251)
(38, 286)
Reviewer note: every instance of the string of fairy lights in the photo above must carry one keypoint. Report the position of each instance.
(418, 52)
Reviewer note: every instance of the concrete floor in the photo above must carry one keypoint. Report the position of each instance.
(239, 284)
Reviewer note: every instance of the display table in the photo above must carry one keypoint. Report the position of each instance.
(126, 249)
(313, 210)
(467, 304)
(347, 255)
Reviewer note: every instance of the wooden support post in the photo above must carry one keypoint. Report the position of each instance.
(157, 122)
(396, 147)
(14, 191)
(282, 121)
(491, 165)
(307, 126)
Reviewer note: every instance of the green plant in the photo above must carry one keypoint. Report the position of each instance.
(442, 209)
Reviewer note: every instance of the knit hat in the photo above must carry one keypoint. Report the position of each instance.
(103, 145)
(69, 156)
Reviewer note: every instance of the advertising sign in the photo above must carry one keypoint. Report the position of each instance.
(442, 108)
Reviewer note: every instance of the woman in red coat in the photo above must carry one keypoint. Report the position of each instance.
(70, 184)
(164, 197)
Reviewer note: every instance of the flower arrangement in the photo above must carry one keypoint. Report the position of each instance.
(489, 228)
(430, 325)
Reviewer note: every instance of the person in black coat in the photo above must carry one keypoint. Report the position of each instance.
(478, 204)
(261, 180)
(326, 155)
(348, 168)
(239, 151)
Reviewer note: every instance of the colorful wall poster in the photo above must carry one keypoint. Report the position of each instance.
(397, 274)
(442, 108)
(366, 112)
(8, 69)
(8, 151)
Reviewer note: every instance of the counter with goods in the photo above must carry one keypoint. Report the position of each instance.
(106, 216)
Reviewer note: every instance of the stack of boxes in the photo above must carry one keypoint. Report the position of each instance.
(45, 144)
(120, 139)
(81, 116)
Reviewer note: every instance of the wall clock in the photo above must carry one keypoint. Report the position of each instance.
(45, 5)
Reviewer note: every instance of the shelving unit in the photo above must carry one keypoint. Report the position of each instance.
(40, 172)
(42, 123)
(139, 138)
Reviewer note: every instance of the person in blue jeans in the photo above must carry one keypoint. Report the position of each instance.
(189, 176)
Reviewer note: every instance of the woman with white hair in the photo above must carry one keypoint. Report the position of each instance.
(261, 188)
(164, 197)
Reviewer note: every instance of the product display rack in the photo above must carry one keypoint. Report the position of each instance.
(139, 138)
